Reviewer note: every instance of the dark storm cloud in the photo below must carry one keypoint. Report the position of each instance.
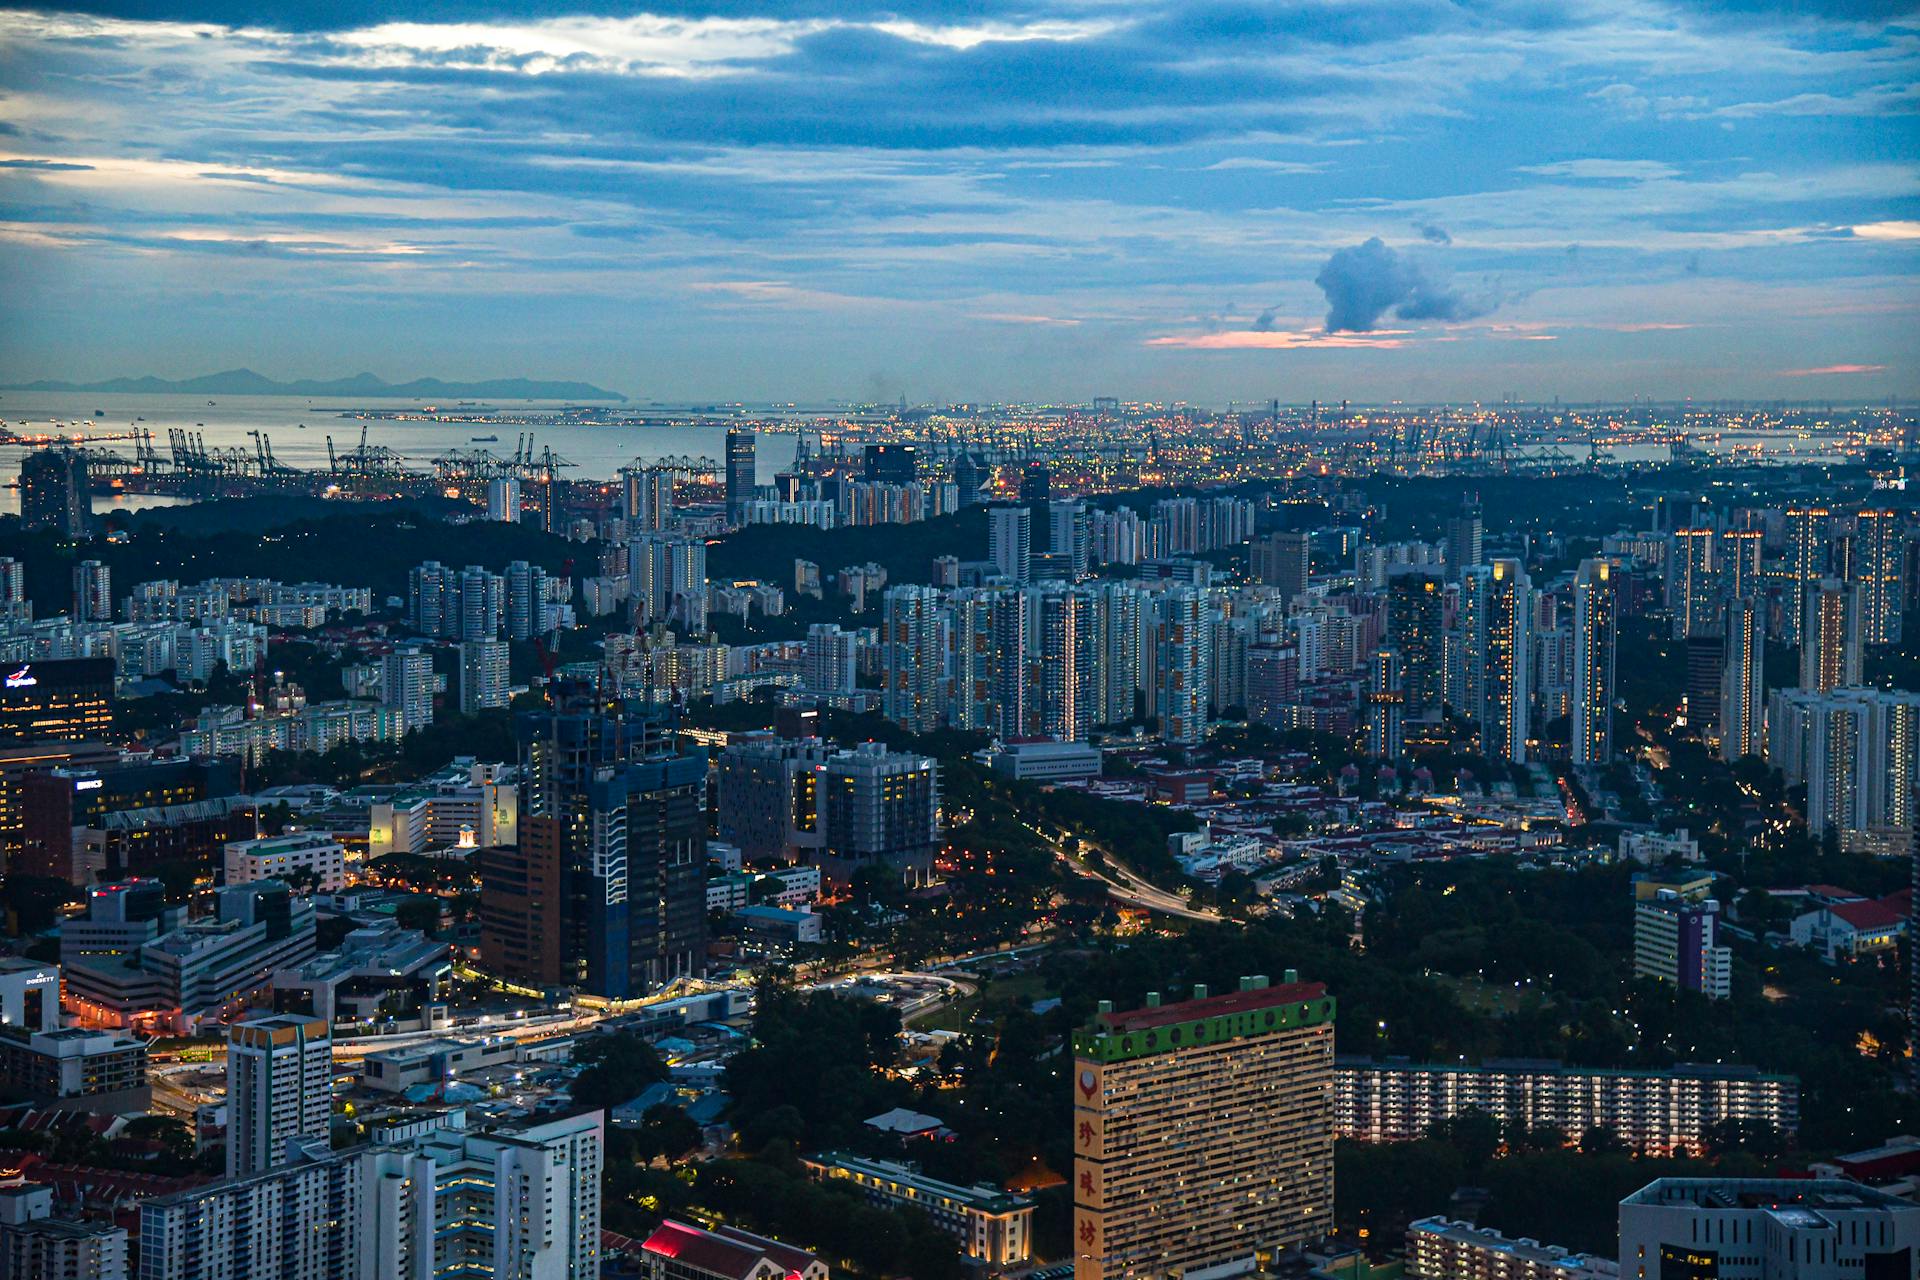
(1366, 281)
(1433, 234)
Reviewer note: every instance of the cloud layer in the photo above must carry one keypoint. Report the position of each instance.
(1017, 198)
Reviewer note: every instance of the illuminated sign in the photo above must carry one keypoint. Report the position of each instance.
(22, 679)
(89, 784)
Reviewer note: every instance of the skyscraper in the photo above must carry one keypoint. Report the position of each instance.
(1070, 535)
(1857, 752)
(279, 1087)
(1283, 560)
(1593, 648)
(1184, 660)
(1416, 622)
(1036, 483)
(482, 605)
(1806, 564)
(54, 492)
(1496, 626)
(1743, 682)
(1386, 705)
(740, 474)
(406, 683)
(626, 820)
(1879, 549)
(1203, 1131)
(1010, 542)
(1121, 611)
(92, 592)
(646, 498)
(503, 500)
(828, 666)
(1830, 636)
(1067, 658)
(483, 675)
(526, 591)
(429, 586)
(911, 650)
(1465, 534)
(870, 809)
(1693, 584)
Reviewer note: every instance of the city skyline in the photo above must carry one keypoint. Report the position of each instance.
(1010, 202)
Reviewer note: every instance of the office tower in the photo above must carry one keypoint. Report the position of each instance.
(1879, 552)
(514, 1202)
(740, 475)
(526, 600)
(870, 809)
(1593, 646)
(1203, 1131)
(1010, 542)
(1465, 541)
(92, 592)
(1740, 562)
(911, 650)
(483, 675)
(1854, 750)
(1070, 535)
(1771, 1229)
(1830, 636)
(1183, 661)
(279, 1087)
(503, 499)
(1806, 564)
(429, 587)
(754, 788)
(1693, 585)
(1067, 658)
(1121, 612)
(1743, 682)
(891, 464)
(624, 819)
(1036, 483)
(829, 666)
(646, 498)
(970, 475)
(1386, 705)
(482, 605)
(1496, 618)
(1416, 622)
(54, 492)
(1677, 941)
(1283, 560)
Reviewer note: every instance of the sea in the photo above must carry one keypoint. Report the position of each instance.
(297, 428)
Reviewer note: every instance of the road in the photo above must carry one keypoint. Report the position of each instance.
(1126, 885)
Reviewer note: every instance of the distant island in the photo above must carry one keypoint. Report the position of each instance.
(245, 382)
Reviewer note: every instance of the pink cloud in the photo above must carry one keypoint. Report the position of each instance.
(1278, 340)
(1832, 368)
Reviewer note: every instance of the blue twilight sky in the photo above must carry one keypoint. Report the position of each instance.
(1006, 199)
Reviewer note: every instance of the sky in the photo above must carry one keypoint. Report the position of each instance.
(1043, 200)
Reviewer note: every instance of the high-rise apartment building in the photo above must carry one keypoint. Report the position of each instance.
(1183, 665)
(1693, 582)
(92, 592)
(406, 684)
(299, 1220)
(54, 493)
(1879, 553)
(912, 652)
(503, 500)
(1830, 634)
(1593, 649)
(1010, 542)
(483, 675)
(1465, 541)
(830, 662)
(1203, 1131)
(279, 1088)
(1386, 705)
(1416, 624)
(1806, 564)
(1121, 614)
(1854, 750)
(1070, 535)
(1743, 707)
(1496, 634)
(646, 498)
